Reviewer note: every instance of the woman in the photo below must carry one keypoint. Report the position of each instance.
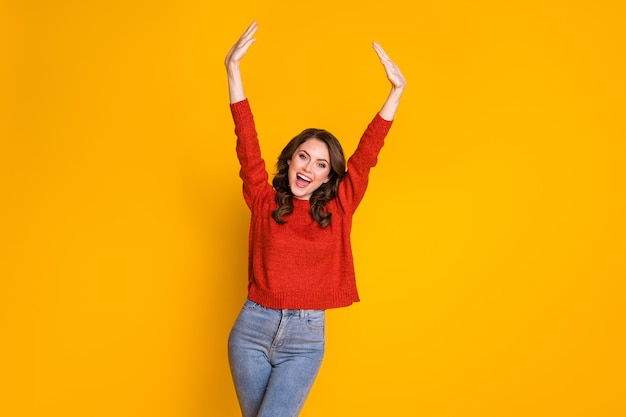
(300, 257)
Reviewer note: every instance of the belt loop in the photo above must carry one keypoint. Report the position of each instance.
(302, 315)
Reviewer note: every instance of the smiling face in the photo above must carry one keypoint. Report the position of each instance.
(309, 168)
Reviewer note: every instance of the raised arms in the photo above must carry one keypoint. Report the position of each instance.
(239, 49)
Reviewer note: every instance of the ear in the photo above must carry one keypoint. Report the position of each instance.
(327, 179)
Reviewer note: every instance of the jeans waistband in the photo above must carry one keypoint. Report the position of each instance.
(295, 311)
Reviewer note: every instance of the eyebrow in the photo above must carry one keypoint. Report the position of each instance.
(309, 155)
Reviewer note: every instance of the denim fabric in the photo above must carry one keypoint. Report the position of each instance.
(274, 358)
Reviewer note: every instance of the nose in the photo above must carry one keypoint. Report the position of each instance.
(308, 167)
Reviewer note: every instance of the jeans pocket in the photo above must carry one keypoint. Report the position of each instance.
(315, 321)
(252, 306)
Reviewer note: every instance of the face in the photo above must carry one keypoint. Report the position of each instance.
(309, 168)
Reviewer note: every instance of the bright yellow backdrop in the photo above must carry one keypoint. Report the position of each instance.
(490, 248)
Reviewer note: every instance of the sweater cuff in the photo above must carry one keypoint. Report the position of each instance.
(241, 109)
(381, 125)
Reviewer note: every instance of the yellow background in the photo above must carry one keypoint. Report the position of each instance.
(490, 248)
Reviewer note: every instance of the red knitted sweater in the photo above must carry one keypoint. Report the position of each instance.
(299, 265)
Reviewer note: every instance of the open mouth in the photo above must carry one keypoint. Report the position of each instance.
(302, 181)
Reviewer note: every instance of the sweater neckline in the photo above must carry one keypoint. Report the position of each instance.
(300, 203)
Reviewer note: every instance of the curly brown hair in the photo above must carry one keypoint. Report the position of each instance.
(324, 193)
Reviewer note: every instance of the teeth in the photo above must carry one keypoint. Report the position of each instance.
(302, 177)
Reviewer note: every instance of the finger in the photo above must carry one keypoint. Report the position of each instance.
(380, 51)
(250, 30)
(244, 43)
(244, 47)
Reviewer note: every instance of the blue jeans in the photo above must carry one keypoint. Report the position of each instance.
(274, 358)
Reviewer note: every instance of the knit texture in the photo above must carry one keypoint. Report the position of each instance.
(300, 265)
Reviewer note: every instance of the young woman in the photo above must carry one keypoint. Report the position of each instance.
(300, 258)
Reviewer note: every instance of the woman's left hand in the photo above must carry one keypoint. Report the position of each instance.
(394, 75)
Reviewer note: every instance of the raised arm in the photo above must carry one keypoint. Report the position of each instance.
(395, 77)
(233, 58)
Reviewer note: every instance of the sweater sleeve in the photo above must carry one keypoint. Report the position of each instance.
(352, 187)
(253, 171)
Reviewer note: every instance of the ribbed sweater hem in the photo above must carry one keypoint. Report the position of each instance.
(309, 300)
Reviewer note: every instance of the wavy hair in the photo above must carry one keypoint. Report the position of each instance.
(324, 193)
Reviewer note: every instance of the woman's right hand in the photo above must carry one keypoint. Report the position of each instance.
(240, 48)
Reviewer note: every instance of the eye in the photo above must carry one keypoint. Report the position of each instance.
(302, 156)
(321, 165)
